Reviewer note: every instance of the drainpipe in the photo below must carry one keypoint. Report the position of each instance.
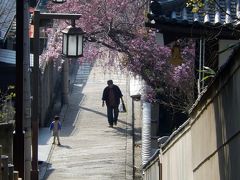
(146, 130)
(200, 68)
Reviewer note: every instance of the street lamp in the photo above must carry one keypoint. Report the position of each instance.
(38, 17)
(176, 58)
(72, 41)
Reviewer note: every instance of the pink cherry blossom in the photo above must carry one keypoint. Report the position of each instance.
(115, 33)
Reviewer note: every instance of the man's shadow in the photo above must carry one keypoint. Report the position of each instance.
(91, 110)
(65, 146)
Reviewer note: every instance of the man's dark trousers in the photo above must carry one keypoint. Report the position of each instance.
(112, 113)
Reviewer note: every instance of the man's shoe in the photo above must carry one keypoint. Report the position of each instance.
(110, 125)
(59, 144)
(115, 123)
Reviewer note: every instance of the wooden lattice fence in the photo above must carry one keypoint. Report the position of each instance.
(7, 169)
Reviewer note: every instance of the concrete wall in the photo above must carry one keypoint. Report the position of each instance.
(137, 135)
(50, 86)
(135, 88)
(50, 89)
(207, 146)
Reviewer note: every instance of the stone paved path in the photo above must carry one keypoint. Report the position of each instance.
(91, 150)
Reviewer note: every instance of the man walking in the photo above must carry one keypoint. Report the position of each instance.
(111, 96)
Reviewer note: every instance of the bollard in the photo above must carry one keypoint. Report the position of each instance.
(10, 171)
(4, 167)
(15, 175)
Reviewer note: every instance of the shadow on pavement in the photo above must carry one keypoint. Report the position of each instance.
(75, 99)
(49, 171)
(91, 110)
(44, 170)
(122, 131)
(78, 82)
(124, 122)
(65, 146)
(44, 136)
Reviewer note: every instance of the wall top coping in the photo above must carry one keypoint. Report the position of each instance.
(9, 123)
(151, 160)
(175, 135)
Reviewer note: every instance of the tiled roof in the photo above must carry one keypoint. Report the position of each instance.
(9, 57)
(12, 30)
(226, 14)
(7, 14)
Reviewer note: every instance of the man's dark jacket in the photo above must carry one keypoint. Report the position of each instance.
(117, 94)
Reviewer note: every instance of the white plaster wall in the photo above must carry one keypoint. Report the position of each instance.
(177, 160)
(152, 173)
(136, 85)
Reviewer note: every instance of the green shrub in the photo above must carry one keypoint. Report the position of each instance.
(7, 110)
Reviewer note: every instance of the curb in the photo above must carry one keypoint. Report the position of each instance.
(129, 138)
(43, 168)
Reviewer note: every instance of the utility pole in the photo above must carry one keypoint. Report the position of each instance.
(18, 138)
(26, 94)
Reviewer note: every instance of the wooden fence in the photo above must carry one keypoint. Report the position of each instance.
(7, 169)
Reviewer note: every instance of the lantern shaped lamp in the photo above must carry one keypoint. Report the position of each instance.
(176, 58)
(58, 1)
(72, 41)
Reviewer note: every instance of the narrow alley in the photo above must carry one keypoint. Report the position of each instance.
(90, 149)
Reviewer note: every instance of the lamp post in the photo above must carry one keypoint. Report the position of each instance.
(38, 17)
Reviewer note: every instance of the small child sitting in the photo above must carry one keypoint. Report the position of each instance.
(55, 127)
